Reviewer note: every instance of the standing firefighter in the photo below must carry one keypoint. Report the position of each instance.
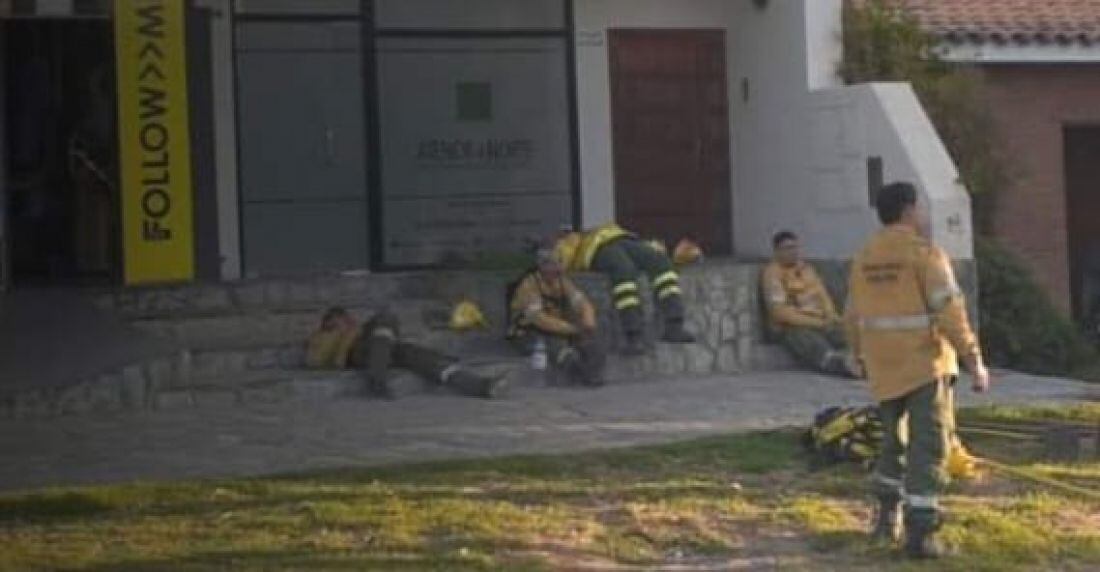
(546, 305)
(340, 342)
(906, 320)
(622, 256)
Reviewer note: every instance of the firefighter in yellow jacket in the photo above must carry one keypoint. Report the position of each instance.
(545, 304)
(622, 256)
(373, 347)
(801, 312)
(906, 321)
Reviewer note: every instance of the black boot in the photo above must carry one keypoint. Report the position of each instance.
(378, 386)
(887, 527)
(676, 334)
(570, 362)
(593, 365)
(920, 534)
(633, 323)
(473, 385)
(634, 344)
(673, 312)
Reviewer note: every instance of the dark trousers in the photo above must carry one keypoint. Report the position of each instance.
(589, 351)
(381, 348)
(917, 430)
(623, 261)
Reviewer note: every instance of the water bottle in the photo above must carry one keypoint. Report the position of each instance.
(538, 356)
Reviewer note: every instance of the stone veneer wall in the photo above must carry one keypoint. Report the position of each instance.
(236, 329)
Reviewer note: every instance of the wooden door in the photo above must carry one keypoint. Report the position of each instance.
(670, 116)
(1082, 150)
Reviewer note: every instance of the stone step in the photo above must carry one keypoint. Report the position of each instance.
(262, 375)
(476, 347)
(237, 333)
(772, 357)
(309, 293)
(279, 327)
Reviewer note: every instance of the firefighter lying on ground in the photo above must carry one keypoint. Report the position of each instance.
(906, 320)
(375, 346)
(622, 257)
(801, 312)
(546, 305)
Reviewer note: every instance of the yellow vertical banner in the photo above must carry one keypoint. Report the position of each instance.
(154, 141)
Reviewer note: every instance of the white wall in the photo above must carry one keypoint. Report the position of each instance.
(824, 48)
(225, 137)
(771, 147)
(886, 120)
(775, 56)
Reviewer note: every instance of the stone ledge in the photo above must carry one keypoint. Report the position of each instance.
(237, 330)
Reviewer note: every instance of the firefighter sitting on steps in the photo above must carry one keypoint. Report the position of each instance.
(546, 304)
(622, 256)
(801, 312)
(906, 319)
(341, 342)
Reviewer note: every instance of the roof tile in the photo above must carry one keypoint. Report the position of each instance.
(1020, 21)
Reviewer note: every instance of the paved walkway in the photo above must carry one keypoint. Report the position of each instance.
(306, 435)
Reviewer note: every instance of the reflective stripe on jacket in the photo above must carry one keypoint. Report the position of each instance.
(906, 317)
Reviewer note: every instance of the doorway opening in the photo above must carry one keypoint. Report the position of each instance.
(670, 123)
(61, 176)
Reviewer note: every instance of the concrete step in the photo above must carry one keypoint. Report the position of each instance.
(264, 375)
(305, 294)
(488, 347)
(236, 334)
(279, 327)
(772, 357)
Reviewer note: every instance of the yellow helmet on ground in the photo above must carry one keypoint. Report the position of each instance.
(467, 316)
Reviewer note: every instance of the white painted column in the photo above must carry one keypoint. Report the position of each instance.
(225, 137)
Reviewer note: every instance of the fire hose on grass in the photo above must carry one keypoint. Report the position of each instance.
(1034, 433)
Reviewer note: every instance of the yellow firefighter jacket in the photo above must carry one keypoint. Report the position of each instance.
(906, 317)
(796, 297)
(330, 348)
(576, 250)
(548, 305)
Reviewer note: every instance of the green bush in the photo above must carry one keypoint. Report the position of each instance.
(1020, 327)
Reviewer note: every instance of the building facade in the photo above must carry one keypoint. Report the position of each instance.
(254, 138)
(1040, 62)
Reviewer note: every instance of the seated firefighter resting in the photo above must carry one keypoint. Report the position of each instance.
(546, 305)
(801, 312)
(622, 257)
(340, 342)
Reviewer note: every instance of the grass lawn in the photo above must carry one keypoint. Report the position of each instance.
(734, 502)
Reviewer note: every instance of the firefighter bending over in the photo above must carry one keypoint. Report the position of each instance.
(622, 257)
